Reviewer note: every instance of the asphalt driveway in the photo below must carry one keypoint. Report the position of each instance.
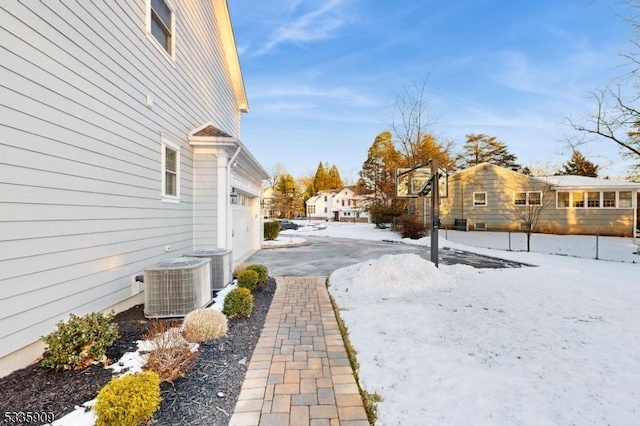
(323, 255)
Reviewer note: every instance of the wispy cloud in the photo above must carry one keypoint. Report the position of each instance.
(339, 94)
(303, 27)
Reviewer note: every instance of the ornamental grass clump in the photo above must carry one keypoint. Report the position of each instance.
(248, 279)
(203, 325)
(79, 342)
(128, 400)
(238, 303)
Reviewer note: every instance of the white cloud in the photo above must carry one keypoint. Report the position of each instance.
(314, 25)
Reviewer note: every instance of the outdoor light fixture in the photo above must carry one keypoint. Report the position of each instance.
(233, 195)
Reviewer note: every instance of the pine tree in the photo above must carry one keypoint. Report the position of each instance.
(335, 181)
(321, 178)
(480, 148)
(578, 165)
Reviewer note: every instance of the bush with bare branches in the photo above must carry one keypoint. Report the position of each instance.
(169, 354)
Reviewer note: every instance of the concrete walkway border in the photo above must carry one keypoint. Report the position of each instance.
(299, 374)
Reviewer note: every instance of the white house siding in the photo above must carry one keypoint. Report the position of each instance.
(80, 157)
(206, 192)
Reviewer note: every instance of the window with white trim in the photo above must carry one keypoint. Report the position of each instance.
(161, 24)
(625, 199)
(593, 199)
(608, 199)
(577, 199)
(520, 198)
(312, 209)
(563, 200)
(479, 198)
(170, 172)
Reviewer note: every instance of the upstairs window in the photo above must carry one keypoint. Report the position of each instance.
(161, 24)
(520, 199)
(529, 198)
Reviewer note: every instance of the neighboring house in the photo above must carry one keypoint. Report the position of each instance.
(490, 197)
(339, 205)
(119, 147)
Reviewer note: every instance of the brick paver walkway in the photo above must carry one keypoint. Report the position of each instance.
(299, 373)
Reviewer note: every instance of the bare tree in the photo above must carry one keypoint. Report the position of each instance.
(528, 198)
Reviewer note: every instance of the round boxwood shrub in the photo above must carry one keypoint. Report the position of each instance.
(203, 325)
(263, 272)
(128, 400)
(238, 303)
(248, 279)
(80, 341)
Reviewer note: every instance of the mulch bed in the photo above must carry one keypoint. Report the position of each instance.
(207, 395)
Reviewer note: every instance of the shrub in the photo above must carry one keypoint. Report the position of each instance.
(412, 227)
(128, 400)
(238, 269)
(382, 215)
(238, 303)
(263, 272)
(248, 279)
(202, 325)
(80, 341)
(271, 230)
(170, 355)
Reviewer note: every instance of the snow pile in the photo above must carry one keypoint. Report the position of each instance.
(390, 276)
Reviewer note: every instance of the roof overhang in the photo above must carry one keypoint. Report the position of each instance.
(210, 136)
(230, 52)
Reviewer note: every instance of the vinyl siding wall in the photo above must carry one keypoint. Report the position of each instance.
(80, 152)
(500, 185)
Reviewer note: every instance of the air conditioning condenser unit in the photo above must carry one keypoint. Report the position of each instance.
(221, 266)
(175, 287)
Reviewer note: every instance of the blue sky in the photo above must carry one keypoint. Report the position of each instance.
(322, 77)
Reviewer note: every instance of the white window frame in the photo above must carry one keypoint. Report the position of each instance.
(601, 200)
(164, 145)
(527, 198)
(476, 204)
(558, 206)
(171, 54)
(618, 203)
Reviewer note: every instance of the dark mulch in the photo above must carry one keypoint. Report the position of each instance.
(192, 400)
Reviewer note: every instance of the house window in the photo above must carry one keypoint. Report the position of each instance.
(312, 209)
(534, 198)
(342, 203)
(578, 199)
(608, 199)
(530, 198)
(625, 199)
(161, 24)
(479, 198)
(170, 172)
(593, 199)
(325, 199)
(563, 200)
(325, 209)
(520, 199)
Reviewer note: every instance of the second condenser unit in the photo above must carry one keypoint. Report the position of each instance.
(221, 266)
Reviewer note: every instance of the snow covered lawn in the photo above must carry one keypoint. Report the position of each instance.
(557, 344)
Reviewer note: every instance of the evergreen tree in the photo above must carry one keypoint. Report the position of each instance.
(335, 181)
(578, 165)
(480, 148)
(321, 178)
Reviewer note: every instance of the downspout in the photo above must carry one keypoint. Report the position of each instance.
(230, 164)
